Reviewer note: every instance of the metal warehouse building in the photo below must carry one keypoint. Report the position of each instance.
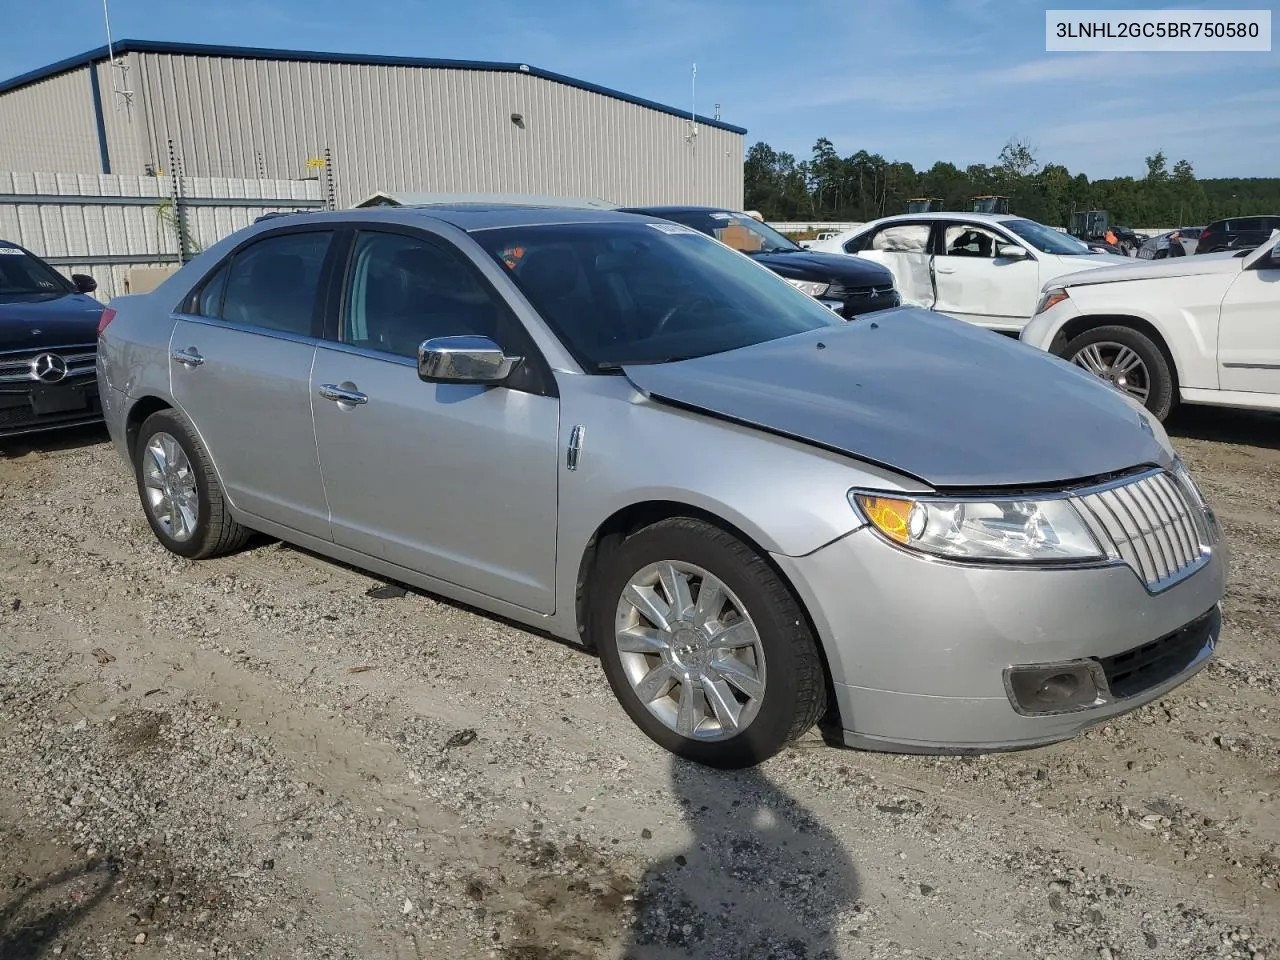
(385, 124)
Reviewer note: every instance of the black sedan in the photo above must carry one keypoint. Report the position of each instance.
(848, 285)
(48, 345)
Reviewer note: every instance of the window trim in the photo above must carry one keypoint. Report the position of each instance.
(537, 377)
(323, 284)
(1009, 237)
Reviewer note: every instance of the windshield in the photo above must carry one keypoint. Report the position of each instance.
(1046, 239)
(23, 277)
(737, 230)
(618, 293)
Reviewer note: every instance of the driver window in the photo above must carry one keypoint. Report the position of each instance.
(966, 240)
(402, 290)
(902, 238)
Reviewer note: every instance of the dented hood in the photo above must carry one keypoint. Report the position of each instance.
(943, 401)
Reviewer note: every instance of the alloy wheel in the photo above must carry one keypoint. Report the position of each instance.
(690, 650)
(1119, 365)
(170, 487)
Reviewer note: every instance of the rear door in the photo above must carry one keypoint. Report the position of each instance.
(904, 248)
(975, 284)
(1249, 329)
(240, 368)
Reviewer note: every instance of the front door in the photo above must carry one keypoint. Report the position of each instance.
(904, 249)
(977, 285)
(1249, 331)
(454, 481)
(240, 368)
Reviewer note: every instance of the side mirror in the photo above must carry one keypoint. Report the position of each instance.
(84, 283)
(464, 360)
(1010, 251)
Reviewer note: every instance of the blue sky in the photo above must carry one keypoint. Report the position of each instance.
(914, 80)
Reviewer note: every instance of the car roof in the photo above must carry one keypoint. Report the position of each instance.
(943, 215)
(464, 216)
(681, 208)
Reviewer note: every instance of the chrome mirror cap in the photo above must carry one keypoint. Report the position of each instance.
(466, 359)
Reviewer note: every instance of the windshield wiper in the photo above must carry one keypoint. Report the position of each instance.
(613, 366)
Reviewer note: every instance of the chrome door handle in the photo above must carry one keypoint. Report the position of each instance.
(331, 391)
(189, 357)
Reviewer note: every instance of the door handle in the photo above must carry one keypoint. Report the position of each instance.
(331, 391)
(946, 269)
(189, 357)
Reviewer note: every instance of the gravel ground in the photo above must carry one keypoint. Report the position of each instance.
(252, 757)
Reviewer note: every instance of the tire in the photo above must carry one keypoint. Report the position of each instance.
(783, 655)
(213, 531)
(1160, 396)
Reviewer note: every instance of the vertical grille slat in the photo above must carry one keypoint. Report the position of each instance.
(1159, 528)
(1177, 504)
(1151, 524)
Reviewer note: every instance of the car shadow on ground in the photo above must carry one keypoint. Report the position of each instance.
(53, 441)
(1250, 428)
(761, 876)
(38, 913)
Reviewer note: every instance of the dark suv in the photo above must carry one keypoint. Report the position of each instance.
(850, 286)
(48, 345)
(1236, 233)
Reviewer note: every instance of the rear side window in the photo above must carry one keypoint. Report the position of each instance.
(207, 301)
(902, 238)
(273, 284)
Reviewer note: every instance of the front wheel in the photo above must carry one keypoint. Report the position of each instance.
(1129, 360)
(704, 645)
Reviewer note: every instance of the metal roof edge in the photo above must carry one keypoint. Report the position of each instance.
(360, 59)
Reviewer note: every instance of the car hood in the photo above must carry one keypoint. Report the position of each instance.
(1200, 264)
(70, 320)
(923, 394)
(812, 265)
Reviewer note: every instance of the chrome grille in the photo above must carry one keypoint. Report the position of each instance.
(1149, 523)
(18, 366)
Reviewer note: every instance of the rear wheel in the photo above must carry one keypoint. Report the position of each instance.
(1130, 360)
(704, 646)
(180, 492)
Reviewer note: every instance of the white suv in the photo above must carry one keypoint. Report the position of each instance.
(1202, 329)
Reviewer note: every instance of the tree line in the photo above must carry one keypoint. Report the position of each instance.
(864, 186)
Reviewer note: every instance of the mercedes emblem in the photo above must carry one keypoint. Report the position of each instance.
(49, 367)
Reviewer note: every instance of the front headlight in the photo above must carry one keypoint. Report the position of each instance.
(1051, 298)
(1003, 529)
(812, 287)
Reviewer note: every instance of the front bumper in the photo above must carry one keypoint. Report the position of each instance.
(35, 407)
(918, 648)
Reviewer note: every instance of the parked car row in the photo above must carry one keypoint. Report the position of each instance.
(732, 472)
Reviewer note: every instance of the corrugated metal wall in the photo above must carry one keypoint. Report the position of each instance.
(50, 125)
(426, 129)
(113, 237)
(123, 120)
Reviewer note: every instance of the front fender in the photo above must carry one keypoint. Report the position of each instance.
(788, 497)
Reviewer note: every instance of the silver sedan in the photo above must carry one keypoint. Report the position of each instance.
(914, 533)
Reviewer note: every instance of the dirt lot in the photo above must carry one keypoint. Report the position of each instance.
(251, 757)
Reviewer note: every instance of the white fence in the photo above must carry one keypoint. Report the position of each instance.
(107, 224)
